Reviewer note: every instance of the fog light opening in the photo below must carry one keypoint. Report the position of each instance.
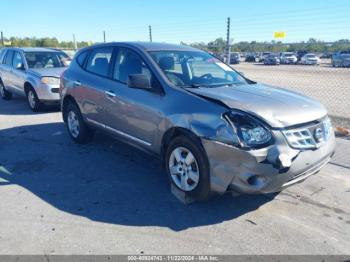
(256, 181)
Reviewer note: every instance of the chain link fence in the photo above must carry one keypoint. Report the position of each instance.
(327, 84)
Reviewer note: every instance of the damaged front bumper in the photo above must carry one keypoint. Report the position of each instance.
(264, 170)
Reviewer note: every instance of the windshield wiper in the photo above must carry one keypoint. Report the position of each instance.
(191, 86)
(225, 84)
(210, 85)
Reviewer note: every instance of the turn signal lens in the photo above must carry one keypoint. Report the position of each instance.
(50, 80)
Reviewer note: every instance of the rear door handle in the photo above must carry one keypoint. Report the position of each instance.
(110, 94)
(77, 83)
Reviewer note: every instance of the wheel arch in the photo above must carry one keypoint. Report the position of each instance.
(27, 86)
(66, 100)
(175, 132)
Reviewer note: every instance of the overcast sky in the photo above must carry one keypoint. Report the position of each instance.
(175, 21)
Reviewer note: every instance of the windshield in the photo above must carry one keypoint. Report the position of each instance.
(47, 59)
(288, 55)
(195, 68)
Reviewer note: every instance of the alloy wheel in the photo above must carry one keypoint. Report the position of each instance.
(184, 169)
(73, 124)
(2, 90)
(31, 99)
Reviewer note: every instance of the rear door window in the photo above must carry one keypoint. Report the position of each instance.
(99, 61)
(8, 59)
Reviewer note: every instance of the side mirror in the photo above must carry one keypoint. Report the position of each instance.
(20, 66)
(139, 81)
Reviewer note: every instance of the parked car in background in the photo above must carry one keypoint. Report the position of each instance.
(234, 58)
(250, 58)
(326, 55)
(341, 59)
(32, 72)
(263, 56)
(310, 59)
(213, 129)
(300, 54)
(272, 59)
(288, 58)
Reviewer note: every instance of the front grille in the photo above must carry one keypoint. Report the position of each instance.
(55, 90)
(309, 137)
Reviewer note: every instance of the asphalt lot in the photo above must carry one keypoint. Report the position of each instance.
(107, 198)
(327, 84)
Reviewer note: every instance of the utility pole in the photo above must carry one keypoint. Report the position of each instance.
(228, 51)
(74, 43)
(104, 36)
(2, 39)
(150, 33)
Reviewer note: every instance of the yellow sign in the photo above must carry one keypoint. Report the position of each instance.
(280, 34)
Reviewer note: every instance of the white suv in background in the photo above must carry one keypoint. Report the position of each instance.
(288, 58)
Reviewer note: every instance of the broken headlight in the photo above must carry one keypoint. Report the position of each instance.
(252, 132)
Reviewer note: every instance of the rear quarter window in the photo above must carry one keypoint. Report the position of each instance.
(82, 57)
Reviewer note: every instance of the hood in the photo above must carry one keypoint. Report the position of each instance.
(278, 107)
(54, 72)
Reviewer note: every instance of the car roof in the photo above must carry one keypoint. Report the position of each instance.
(150, 46)
(34, 49)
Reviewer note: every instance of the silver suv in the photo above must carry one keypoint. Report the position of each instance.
(213, 129)
(32, 72)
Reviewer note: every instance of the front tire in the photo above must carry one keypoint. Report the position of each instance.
(6, 95)
(33, 100)
(188, 168)
(77, 129)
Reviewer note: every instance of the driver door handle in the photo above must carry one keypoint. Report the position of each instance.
(77, 83)
(110, 94)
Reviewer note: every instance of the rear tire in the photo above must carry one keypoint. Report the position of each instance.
(33, 100)
(77, 129)
(6, 95)
(187, 167)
